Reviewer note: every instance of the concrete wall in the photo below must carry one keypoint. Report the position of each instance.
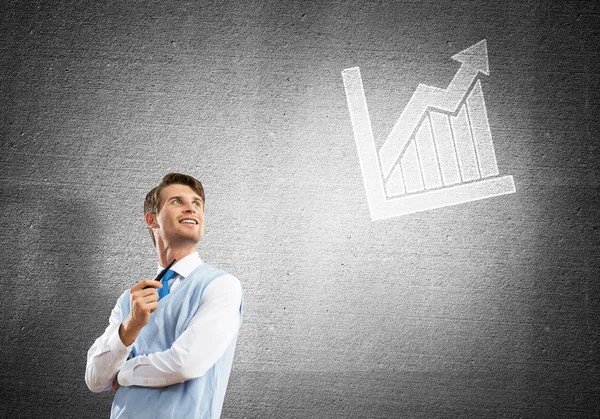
(483, 309)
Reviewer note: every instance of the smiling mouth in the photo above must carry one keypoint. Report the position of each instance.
(186, 221)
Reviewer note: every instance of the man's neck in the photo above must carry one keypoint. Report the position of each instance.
(167, 254)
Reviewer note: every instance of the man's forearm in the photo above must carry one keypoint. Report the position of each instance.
(128, 332)
(107, 355)
(105, 358)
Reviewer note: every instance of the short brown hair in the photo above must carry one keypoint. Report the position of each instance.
(152, 201)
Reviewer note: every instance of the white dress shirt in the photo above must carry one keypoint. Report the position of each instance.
(206, 338)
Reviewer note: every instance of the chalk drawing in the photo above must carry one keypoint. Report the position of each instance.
(439, 152)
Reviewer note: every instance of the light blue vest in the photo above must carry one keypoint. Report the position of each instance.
(200, 397)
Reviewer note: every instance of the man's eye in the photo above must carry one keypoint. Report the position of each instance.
(196, 203)
(176, 201)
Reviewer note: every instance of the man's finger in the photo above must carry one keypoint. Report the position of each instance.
(115, 384)
(144, 283)
(148, 292)
(145, 300)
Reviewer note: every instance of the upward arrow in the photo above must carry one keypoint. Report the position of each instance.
(474, 60)
(475, 57)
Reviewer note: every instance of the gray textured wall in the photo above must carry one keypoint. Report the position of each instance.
(484, 309)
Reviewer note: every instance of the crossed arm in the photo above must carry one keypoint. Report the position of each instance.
(206, 338)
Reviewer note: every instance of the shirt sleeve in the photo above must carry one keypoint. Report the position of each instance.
(107, 355)
(199, 347)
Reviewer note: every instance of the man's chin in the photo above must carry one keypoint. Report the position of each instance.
(186, 240)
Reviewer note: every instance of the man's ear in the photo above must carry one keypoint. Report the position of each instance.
(150, 218)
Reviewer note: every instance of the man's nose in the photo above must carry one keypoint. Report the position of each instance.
(189, 207)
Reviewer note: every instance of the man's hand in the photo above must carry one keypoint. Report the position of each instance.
(115, 384)
(144, 302)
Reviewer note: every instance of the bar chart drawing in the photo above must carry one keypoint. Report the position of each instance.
(439, 152)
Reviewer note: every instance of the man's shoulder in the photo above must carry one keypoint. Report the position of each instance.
(227, 287)
(227, 281)
(219, 277)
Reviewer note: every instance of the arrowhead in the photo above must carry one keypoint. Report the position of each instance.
(475, 56)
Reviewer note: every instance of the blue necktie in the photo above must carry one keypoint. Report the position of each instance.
(165, 284)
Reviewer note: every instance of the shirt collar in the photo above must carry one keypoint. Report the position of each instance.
(185, 266)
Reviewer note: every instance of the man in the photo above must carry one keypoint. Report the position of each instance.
(170, 356)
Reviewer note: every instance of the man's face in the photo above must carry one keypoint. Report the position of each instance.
(180, 219)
